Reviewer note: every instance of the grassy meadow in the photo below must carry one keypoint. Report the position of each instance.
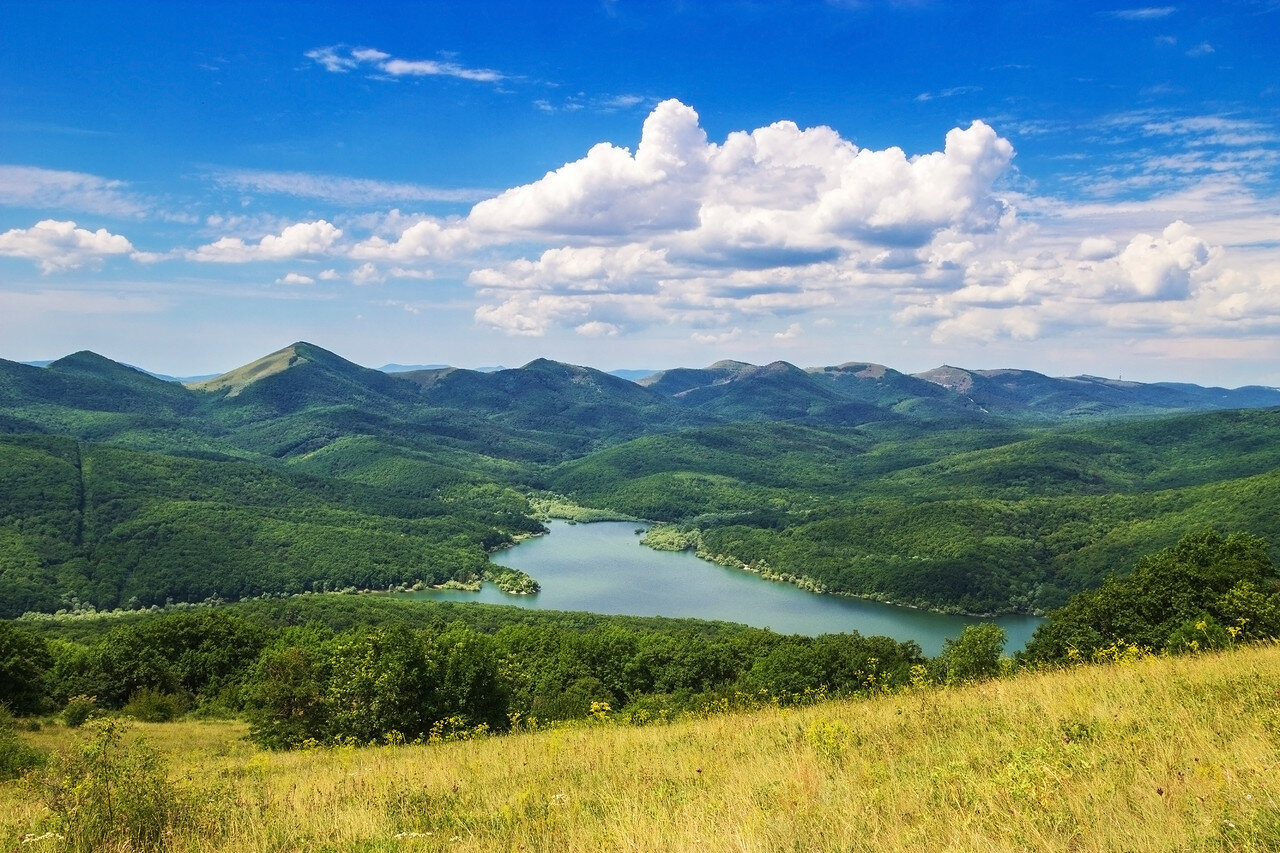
(1157, 754)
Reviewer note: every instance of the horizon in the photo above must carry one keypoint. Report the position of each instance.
(1090, 189)
(647, 371)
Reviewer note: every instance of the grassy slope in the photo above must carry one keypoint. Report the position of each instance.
(1157, 755)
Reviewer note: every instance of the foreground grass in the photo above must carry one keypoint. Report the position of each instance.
(1158, 755)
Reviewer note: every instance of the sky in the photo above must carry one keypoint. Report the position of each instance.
(1055, 185)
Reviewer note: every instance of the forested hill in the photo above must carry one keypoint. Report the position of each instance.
(973, 490)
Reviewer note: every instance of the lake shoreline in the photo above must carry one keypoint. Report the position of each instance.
(595, 567)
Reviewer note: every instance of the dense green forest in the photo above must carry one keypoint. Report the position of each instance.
(985, 518)
(100, 525)
(324, 669)
(995, 491)
(331, 667)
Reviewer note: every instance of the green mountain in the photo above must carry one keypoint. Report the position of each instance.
(977, 519)
(87, 381)
(977, 490)
(86, 524)
(578, 406)
(304, 375)
(1025, 393)
(732, 391)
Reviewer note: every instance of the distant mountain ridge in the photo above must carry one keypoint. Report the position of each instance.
(561, 395)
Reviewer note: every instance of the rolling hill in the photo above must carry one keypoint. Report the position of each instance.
(975, 490)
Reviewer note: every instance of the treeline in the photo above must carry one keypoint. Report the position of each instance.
(1207, 592)
(312, 683)
(332, 670)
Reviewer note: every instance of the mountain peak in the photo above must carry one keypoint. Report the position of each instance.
(952, 378)
(233, 382)
(88, 361)
(730, 364)
(857, 369)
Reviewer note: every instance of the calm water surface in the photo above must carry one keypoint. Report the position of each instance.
(603, 568)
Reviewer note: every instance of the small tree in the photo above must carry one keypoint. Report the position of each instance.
(972, 656)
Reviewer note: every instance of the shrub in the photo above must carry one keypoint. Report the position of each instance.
(153, 706)
(1198, 635)
(114, 794)
(972, 656)
(79, 709)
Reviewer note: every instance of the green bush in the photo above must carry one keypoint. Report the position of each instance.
(78, 711)
(152, 706)
(113, 793)
(972, 656)
(1198, 635)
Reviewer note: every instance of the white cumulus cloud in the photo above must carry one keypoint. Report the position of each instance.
(299, 240)
(773, 219)
(61, 245)
(611, 191)
(800, 223)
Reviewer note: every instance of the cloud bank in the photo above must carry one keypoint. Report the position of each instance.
(780, 225)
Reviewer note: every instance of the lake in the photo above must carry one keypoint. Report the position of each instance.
(603, 568)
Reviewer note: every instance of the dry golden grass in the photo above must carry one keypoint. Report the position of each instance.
(1158, 755)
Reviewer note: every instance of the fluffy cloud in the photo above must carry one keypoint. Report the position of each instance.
(1154, 282)
(424, 239)
(58, 246)
(533, 315)
(597, 329)
(772, 219)
(1161, 267)
(627, 269)
(783, 221)
(610, 191)
(299, 240)
(776, 190)
(1150, 268)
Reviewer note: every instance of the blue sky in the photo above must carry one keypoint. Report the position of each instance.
(1067, 187)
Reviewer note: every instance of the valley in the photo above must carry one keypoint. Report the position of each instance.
(960, 491)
